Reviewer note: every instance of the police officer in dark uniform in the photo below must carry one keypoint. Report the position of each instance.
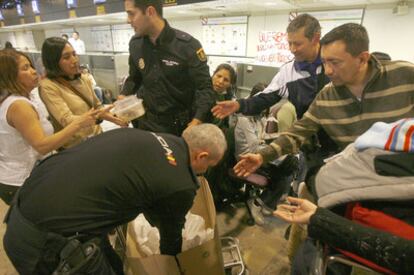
(168, 70)
(71, 201)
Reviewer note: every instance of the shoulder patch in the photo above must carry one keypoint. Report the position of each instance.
(201, 55)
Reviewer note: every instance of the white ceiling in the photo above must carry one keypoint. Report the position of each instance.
(229, 7)
(218, 8)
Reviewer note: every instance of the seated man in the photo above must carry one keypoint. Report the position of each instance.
(362, 91)
(88, 190)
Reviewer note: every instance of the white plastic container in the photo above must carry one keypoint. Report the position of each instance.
(128, 108)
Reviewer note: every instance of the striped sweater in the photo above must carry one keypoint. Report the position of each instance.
(388, 96)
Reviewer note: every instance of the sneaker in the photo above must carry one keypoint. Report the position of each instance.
(267, 211)
(256, 211)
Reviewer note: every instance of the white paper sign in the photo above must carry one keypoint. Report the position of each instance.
(273, 48)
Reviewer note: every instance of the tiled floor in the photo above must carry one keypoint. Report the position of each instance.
(263, 248)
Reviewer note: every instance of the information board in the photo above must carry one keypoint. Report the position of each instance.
(121, 34)
(225, 35)
(102, 39)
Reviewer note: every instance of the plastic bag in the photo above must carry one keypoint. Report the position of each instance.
(194, 234)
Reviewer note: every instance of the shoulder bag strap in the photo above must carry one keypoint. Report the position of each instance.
(66, 84)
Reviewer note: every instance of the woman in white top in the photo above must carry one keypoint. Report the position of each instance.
(25, 134)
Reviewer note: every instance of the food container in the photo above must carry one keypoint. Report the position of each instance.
(128, 108)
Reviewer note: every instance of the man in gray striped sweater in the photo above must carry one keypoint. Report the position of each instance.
(362, 91)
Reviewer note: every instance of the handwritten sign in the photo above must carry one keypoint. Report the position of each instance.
(273, 48)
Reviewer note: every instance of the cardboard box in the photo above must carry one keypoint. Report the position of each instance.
(205, 259)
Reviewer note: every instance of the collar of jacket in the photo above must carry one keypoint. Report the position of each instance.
(377, 69)
(77, 76)
(166, 35)
(310, 67)
(376, 64)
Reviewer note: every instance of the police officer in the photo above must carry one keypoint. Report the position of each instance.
(74, 198)
(168, 70)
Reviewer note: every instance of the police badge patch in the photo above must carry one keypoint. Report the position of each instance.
(201, 55)
(141, 63)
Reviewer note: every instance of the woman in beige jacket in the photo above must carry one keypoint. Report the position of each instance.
(66, 93)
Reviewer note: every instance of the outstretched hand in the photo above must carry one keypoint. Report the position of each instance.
(103, 113)
(299, 211)
(248, 164)
(87, 119)
(225, 108)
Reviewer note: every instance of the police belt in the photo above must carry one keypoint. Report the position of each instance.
(25, 243)
(169, 119)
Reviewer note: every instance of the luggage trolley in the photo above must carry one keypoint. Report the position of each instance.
(233, 261)
(118, 240)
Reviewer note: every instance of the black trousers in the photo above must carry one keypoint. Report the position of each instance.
(33, 251)
(281, 176)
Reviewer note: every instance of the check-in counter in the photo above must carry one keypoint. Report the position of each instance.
(250, 74)
(109, 70)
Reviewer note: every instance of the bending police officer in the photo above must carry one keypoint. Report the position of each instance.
(86, 191)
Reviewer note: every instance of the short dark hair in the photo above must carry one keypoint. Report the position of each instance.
(144, 4)
(8, 45)
(76, 32)
(65, 36)
(355, 37)
(310, 23)
(257, 88)
(52, 50)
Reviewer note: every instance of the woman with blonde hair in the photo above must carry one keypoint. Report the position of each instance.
(25, 133)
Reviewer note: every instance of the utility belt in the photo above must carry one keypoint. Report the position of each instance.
(30, 248)
(171, 123)
(179, 118)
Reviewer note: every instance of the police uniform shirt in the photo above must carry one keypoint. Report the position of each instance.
(108, 180)
(171, 76)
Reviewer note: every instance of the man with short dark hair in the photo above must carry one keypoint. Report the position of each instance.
(71, 200)
(299, 80)
(168, 70)
(65, 36)
(363, 91)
